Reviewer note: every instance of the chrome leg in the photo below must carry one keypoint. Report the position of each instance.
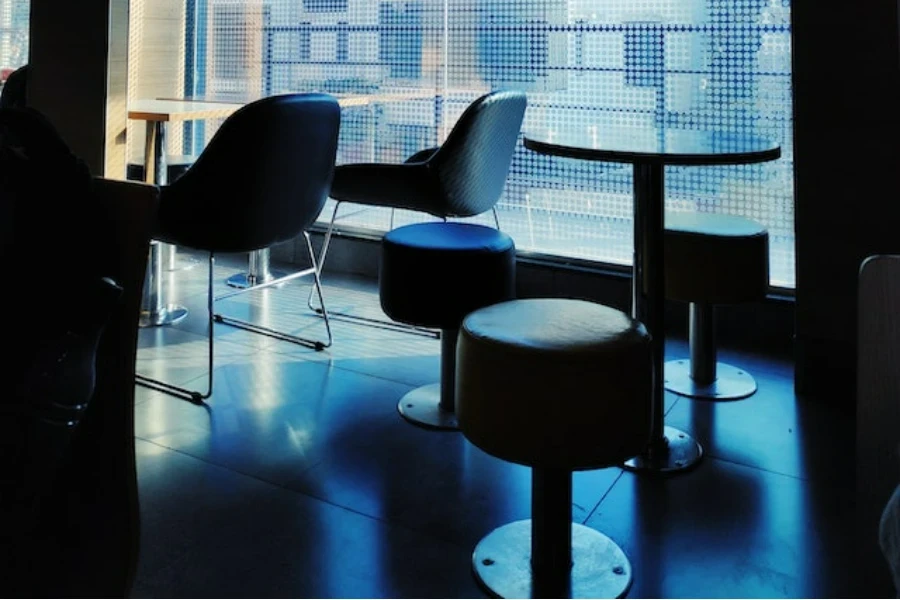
(433, 406)
(703, 343)
(248, 326)
(258, 271)
(326, 242)
(702, 376)
(670, 450)
(496, 218)
(359, 320)
(154, 310)
(178, 262)
(192, 396)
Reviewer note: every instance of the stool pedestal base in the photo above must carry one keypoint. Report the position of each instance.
(502, 564)
(731, 383)
(681, 452)
(433, 406)
(422, 406)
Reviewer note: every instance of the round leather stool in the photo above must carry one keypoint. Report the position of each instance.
(432, 275)
(712, 259)
(558, 385)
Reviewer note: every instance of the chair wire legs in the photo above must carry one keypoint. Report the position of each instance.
(191, 396)
(197, 397)
(248, 326)
(360, 320)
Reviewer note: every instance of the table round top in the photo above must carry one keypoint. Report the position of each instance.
(653, 146)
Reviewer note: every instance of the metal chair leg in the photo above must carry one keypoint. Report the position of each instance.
(191, 396)
(359, 320)
(326, 242)
(248, 326)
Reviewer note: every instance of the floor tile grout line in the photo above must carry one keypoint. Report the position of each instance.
(330, 363)
(760, 469)
(305, 494)
(603, 497)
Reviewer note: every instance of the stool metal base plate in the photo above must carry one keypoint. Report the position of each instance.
(422, 407)
(731, 382)
(682, 453)
(244, 281)
(502, 564)
(171, 313)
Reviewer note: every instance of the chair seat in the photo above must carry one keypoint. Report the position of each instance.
(403, 186)
(433, 274)
(715, 259)
(554, 383)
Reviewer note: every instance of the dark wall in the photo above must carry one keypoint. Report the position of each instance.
(846, 120)
(847, 116)
(68, 54)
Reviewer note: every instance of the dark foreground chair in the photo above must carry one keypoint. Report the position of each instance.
(70, 521)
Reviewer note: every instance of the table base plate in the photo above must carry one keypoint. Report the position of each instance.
(683, 452)
(171, 313)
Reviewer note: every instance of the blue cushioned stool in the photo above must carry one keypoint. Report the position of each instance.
(433, 275)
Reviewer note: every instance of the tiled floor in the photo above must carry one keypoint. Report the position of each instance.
(299, 479)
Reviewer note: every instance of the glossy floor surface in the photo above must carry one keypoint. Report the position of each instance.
(300, 479)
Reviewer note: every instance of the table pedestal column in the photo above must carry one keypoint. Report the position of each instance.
(670, 449)
(155, 311)
(258, 271)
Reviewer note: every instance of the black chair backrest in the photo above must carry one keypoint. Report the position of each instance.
(474, 161)
(262, 179)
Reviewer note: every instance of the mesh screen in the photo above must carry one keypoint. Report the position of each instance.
(695, 64)
(14, 17)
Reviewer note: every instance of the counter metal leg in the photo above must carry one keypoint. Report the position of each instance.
(670, 449)
(174, 261)
(258, 271)
(155, 310)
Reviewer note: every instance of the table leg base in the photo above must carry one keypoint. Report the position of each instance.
(732, 383)
(502, 564)
(679, 453)
(171, 313)
(422, 407)
(245, 280)
(182, 264)
(173, 260)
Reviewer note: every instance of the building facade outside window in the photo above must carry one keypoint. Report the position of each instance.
(14, 21)
(695, 64)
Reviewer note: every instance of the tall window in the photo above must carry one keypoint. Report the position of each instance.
(14, 21)
(691, 64)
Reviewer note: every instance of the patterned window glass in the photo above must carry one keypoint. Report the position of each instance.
(14, 20)
(693, 64)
